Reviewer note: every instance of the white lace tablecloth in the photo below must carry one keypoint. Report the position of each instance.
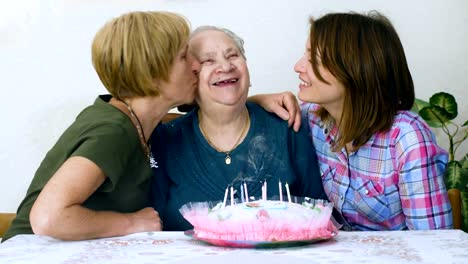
(442, 246)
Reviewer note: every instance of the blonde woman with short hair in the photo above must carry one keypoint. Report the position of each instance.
(95, 181)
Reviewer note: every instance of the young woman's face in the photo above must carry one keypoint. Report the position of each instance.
(224, 77)
(311, 89)
(183, 81)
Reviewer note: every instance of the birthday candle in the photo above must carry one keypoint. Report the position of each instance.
(246, 193)
(266, 193)
(242, 193)
(225, 196)
(263, 192)
(280, 191)
(287, 191)
(232, 196)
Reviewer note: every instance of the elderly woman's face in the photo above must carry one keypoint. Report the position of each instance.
(224, 76)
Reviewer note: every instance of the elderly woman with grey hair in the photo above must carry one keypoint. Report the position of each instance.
(226, 141)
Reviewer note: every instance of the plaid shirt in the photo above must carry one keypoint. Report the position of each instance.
(393, 182)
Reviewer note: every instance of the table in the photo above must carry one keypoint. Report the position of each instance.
(436, 246)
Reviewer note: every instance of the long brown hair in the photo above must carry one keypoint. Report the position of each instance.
(365, 54)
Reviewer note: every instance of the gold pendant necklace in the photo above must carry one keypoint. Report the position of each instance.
(227, 159)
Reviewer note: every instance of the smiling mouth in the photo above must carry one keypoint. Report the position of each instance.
(304, 83)
(226, 82)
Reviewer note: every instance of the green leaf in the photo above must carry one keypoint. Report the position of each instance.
(418, 105)
(445, 101)
(435, 116)
(464, 211)
(465, 124)
(464, 179)
(464, 162)
(453, 175)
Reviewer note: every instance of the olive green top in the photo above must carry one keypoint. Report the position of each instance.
(107, 137)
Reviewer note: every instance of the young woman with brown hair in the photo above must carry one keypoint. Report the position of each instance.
(380, 164)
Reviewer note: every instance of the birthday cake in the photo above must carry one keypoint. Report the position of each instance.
(261, 220)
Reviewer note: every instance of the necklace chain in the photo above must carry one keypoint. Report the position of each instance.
(139, 127)
(228, 159)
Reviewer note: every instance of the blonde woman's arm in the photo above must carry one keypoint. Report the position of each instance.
(58, 210)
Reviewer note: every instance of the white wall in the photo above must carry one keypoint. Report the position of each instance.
(46, 76)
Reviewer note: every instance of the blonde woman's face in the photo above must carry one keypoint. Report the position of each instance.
(312, 89)
(224, 77)
(183, 80)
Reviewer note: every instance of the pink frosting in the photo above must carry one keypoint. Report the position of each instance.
(294, 222)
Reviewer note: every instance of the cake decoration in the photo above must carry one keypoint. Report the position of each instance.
(267, 220)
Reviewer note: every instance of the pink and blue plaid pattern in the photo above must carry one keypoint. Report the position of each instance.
(394, 182)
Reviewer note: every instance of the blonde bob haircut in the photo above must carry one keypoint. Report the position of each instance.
(134, 51)
(365, 54)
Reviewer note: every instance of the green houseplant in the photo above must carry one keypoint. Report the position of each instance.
(439, 112)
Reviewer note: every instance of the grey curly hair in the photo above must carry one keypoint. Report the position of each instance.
(238, 41)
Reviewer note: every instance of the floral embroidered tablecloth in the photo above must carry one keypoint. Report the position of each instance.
(438, 246)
